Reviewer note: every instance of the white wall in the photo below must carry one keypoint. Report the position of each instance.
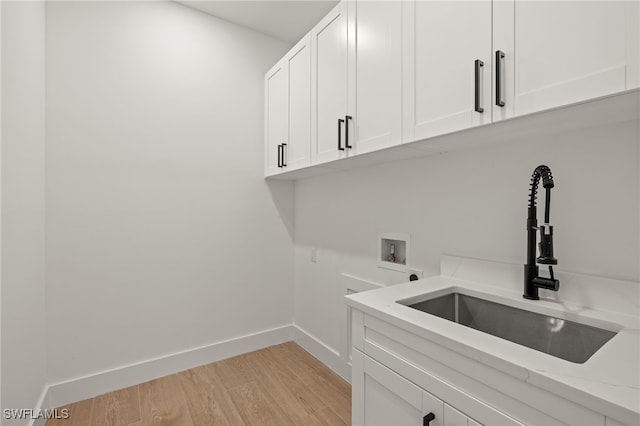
(470, 203)
(23, 204)
(162, 234)
(1, 206)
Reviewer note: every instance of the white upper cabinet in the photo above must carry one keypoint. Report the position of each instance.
(373, 74)
(357, 80)
(375, 86)
(561, 52)
(298, 150)
(276, 120)
(329, 86)
(288, 111)
(447, 66)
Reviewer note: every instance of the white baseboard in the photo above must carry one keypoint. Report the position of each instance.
(63, 393)
(43, 402)
(90, 386)
(324, 353)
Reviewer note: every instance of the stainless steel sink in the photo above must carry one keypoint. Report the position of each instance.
(561, 338)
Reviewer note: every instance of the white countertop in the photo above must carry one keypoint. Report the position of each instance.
(608, 382)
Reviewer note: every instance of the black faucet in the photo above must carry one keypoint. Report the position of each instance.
(532, 281)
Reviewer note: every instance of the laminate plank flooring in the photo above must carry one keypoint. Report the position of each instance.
(79, 414)
(207, 398)
(279, 385)
(257, 407)
(117, 408)
(314, 375)
(162, 402)
(297, 400)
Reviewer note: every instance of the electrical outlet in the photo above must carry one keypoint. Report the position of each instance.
(418, 272)
(314, 255)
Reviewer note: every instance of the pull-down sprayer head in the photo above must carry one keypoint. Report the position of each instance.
(532, 280)
(546, 230)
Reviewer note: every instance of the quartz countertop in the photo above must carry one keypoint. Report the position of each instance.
(608, 382)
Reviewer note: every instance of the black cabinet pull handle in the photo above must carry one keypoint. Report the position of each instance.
(284, 164)
(479, 65)
(346, 131)
(279, 155)
(427, 419)
(340, 121)
(499, 78)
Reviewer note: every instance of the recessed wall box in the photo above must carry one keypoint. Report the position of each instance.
(393, 251)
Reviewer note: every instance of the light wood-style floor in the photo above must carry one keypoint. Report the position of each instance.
(279, 385)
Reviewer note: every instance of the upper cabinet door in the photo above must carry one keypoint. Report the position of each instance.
(275, 117)
(298, 62)
(561, 52)
(376, 76)
(288, 111)
(329, 85)
(447, 66)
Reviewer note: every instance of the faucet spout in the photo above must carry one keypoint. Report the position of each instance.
(532, 280)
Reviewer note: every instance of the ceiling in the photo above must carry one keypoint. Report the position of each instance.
(286, 20)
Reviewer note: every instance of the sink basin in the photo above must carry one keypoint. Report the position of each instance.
(561, 338)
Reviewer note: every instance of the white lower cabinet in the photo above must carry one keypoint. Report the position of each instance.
(383, 397)
(454, 417)
(402, 378)
(386, 398)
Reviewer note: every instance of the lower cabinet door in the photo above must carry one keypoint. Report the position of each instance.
(382, 397)
(453, 417)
